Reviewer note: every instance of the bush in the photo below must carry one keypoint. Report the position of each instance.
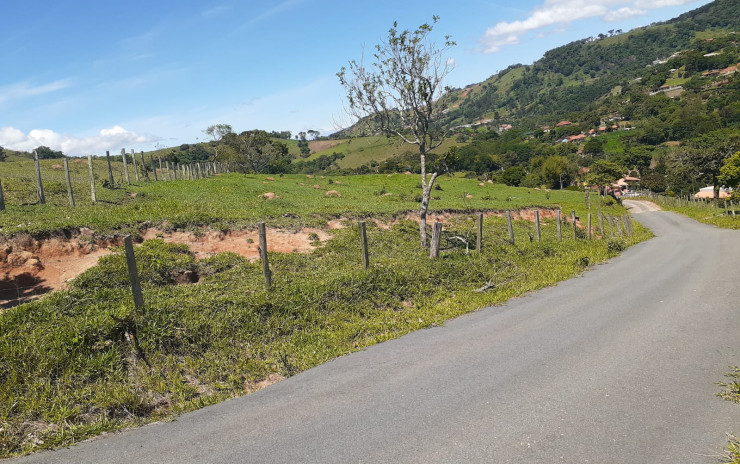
(615, 245)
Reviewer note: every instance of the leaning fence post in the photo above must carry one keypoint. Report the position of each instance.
(143, 167)
(92, 178)
(619, 228)
(69, 182)
(560, 229)
(363, 239)
(110, 169)
(609, 222)
(125, 166)
(537, 224)
(575, 227)
(133, 272)
(2, 197)
(133, 160)
(263, 254)
(436, 237)
(510, 226)
(40, 186)
(601, 224)
(479, 238)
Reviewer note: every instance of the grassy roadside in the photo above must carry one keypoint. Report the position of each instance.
(718, 217)
(732, 393)
(81, 361)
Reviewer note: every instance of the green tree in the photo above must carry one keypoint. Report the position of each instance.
(558, 172)
(705, 155)
(513, 176)
(48, 153)
(256, 152)
(603, 173)
(400, 95)
(729, 173)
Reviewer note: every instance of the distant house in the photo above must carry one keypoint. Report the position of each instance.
(708, 193)
(563, 123)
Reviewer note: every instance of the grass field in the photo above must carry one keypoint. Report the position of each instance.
(83, 361)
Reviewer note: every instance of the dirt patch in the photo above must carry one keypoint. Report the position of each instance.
(320, 145)
(31, 268)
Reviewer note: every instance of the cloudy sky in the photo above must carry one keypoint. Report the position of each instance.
(85, 76)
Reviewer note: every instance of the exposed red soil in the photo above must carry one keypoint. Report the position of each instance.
(319, 145)
(30, 268)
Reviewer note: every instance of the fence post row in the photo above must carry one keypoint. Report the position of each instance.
(40, 187)
(133, 272)
(125, 166)
(510, 226)
(110, 169)
(436, 237)
(92, 178)
(479, 238)
(263, 254)
(69, 183)
(363, 241)
(575, 226)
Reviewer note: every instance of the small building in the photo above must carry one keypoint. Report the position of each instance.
(707, 193)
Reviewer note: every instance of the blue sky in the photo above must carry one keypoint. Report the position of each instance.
(86, 76)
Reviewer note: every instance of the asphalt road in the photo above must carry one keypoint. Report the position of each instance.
(616, 366)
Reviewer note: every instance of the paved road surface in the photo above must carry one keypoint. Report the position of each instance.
(617, 366)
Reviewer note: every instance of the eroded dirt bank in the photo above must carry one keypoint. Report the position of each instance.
(30, 268)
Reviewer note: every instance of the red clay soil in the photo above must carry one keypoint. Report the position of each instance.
(30, 268)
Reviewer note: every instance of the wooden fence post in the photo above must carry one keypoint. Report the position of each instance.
(363, 239)
(479, 238)
(2, 197)
(618, 227)
(732, 206)
(436, 237)
(589, 226)
(575, 227)
(161, 171)
(263, 254)
(601, 224)
(69, 182)
(510, 225)
(609, 222)
(125, 166)
(133, 273)
(92, 178)
(40, 185)
(154, 168)
(110, 169)
(560, 227)
(133, 161)
(143, 167)
(537, 224)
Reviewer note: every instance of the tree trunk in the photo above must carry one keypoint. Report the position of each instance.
(426, 195)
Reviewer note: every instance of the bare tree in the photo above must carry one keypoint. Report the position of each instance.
(401, 95)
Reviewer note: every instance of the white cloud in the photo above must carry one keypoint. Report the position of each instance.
(623, 13)
(562, 13)
(22, 90)
(112, 139)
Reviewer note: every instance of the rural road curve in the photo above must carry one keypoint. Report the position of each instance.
(616, 366)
